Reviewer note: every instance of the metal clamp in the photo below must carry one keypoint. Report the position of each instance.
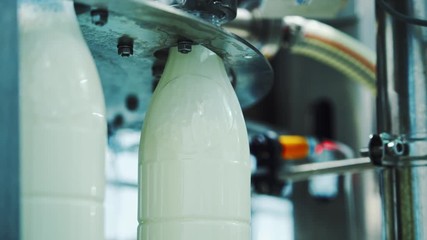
(397, 150)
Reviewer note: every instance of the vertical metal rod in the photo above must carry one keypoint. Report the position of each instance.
(387, 178)
(402, 110)
(9, 122)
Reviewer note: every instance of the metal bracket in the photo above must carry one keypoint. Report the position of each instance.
(154, 26)
(396, 150)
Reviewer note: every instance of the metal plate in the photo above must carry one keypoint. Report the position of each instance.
(155, 26)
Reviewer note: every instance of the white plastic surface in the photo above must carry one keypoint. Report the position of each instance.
(63, 128)
(53, 218)
(194, 155)
(272, 218)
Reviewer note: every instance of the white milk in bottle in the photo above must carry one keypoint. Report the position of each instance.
(194, 157)
(63, 128)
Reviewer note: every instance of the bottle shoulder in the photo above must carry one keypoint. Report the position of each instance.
(193, 115)
(58, 76)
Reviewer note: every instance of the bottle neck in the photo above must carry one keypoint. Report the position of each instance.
(200, 61)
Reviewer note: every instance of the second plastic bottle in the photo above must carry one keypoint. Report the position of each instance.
(63, 127)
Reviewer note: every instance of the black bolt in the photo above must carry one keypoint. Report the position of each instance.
(118, 121)
(185, 46)
(125, 51)
(125, 46)
(99, 16)
(132, 102)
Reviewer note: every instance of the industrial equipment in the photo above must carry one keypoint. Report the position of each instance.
(325, 161)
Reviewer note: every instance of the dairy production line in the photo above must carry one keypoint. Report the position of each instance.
(325, 162)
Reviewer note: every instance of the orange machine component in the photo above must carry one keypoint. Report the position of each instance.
(294, 147)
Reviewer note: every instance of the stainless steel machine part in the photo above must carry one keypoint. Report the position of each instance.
(154, 26)
(305, 171)
(402, 107)
(265, 34)
(9, 123)
(214, 11)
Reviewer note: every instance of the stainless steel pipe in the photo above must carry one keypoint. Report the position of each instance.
(402, 111)
(305, 171)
